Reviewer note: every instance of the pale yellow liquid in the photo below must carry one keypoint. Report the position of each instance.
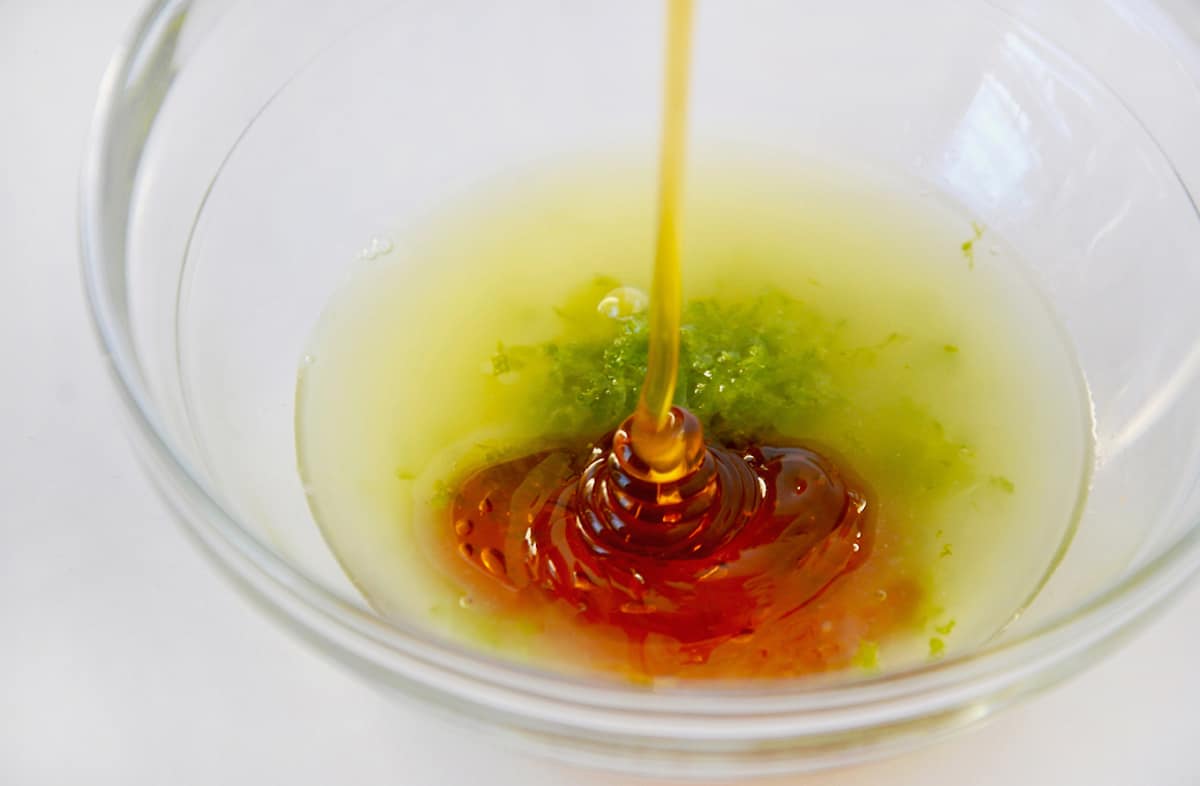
(401, 395)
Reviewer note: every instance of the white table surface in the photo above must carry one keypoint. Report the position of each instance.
(124, 659)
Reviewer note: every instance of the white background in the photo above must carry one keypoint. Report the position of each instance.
(124, 659)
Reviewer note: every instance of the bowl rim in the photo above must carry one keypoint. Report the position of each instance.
(477, 681)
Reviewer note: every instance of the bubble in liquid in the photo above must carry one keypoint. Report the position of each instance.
(623, 303)
(378, 246)
(493, 560)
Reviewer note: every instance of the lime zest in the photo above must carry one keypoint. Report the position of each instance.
(867, 656)
(1002, 483)
(968, 246)
(752, 367)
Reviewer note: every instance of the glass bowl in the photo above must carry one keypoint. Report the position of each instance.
(244, 152)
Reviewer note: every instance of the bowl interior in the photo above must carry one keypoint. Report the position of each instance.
(269, 169)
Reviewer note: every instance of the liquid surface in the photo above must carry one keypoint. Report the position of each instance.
(818, 316)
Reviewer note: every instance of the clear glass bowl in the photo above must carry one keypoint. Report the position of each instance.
(243, 153)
